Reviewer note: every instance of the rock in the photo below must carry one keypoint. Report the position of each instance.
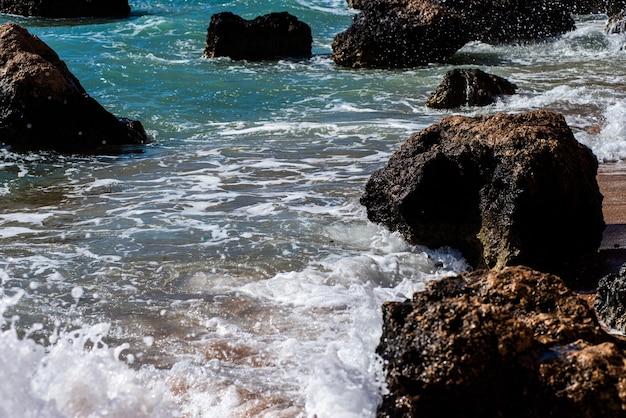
(616, 24)
(610, 301)
(269, 37)
(513, 343)
(66, 8)
(512, 21)
(504, 189)
(399, 34)
(469, 87)
(44, 107)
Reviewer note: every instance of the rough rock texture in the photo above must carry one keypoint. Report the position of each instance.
(469, 87)
(512, 21)
(406, 33)
(504, 189)
(397, 34)
(66, 8)
(515, 343)
(610, 302)
(268, 37)
(43, 106)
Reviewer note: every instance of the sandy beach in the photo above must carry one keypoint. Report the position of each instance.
(612, 253)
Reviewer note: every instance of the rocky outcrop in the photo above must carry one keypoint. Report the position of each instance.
(504, 189)
(610, 301)
(469, 87)
(66, 8)
(397, 34)
(407, 33)
(44, 107)
(512, 21)
(269, 37)
(515, 343)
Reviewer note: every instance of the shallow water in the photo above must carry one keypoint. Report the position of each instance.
(229, 270)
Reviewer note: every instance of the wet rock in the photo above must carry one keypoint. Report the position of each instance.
(610, 301)
(66, 8)
(504, 189)
(398, 34)
(512, 21)
(514, 343)
(616, 23)
(44, 107)
(269, 37)
(469, 87)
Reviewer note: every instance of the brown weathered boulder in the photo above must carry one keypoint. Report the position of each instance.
(44, 107)
(398, 34)
(66, 8)
(269, 37)
(515, 343)
(504, 189)
(469, 87)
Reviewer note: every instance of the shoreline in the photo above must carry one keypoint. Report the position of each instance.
(611, 255)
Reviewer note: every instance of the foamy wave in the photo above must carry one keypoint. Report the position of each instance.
(610, 144)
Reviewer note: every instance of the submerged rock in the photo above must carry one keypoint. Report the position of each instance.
(504, 189)
(397, 34)
(269, 37)
(44, 107)
(469, 87)
(515, 343)
(66, 8)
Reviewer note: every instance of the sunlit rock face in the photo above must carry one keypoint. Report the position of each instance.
(504, 189)
(66, 8)
(44, 107)
(515, 343)
(268, 37)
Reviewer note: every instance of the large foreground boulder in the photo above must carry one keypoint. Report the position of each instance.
(515, 343)
(504, 189)
(469, 87)
(397, 34)
(269, 37)
(44, 107)
(66, 8)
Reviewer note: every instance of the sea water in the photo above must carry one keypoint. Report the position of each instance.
(228, 270)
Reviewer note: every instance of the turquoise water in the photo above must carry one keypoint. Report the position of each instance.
(229, 270)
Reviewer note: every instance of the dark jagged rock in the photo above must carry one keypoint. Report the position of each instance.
(515, 343)
(66, 8)
(610, 302)
(398, 34)
(269, 37)
(512, 21)
(406, 33)
(44, 107)
(504, 189)
(469, 87)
